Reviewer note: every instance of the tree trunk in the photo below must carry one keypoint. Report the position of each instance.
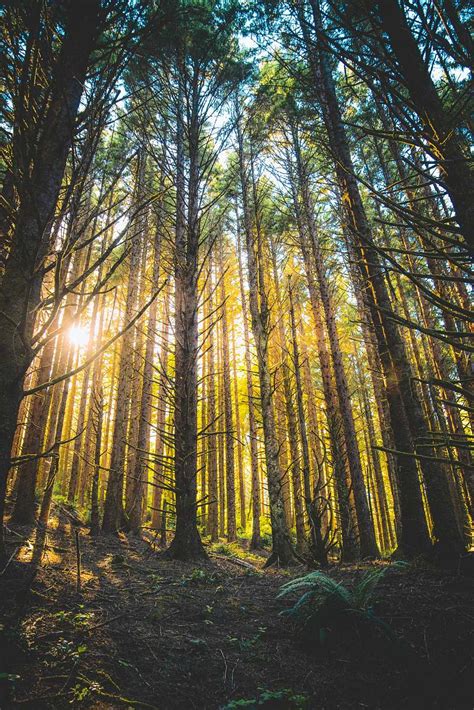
(291, 424)
(255, 541)
(24, 509)
(347, 520)
(186, 543)
(228, 419)
(21, 283)
(368, 545)
(113, 508)
(43, 518)
(133, 490)
(392, 353)
(312, 506)
(139, 479)
(97, 413)
(238, 433)
(282, 552)
(161, 403)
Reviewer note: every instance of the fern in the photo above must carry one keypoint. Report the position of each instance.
(326, 604)
(318, 582)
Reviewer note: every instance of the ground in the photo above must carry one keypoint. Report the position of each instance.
(145, 632)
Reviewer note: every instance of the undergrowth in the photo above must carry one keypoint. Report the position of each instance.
(327, 605)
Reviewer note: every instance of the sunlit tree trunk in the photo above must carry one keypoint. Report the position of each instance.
(113, 507)
(45, 508)
(21, 282)
(255, 541)
(368, 546)
(96, 414)
(293, 468)
(315, 519)
(160, 467)
(186, 543)
(212, 518)
(282, 552)
(348, 523)
(238, 434)
(133, 454)
(228, 419)
(78, 466)
(398, 373)
(24, 508)
(140, 473)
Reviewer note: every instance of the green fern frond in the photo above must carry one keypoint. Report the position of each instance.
(302, 602)
(326, 604)
(316, 580)
(364, 590)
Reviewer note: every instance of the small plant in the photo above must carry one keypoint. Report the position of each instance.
(82, 691)
(199, 576)
(65, 650)
(83, 618)
(275, 699)
(327, 605)
(80, 619)
(246, 644)
(224, 549)
(62, 615)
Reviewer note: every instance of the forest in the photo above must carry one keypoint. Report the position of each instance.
(236, 354)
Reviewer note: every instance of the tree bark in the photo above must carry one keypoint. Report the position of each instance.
(113, 507)
(186, 543)
(282, 551)
(368, 545)
(347, 522)
(21, 283)
(212, 519)
(392, 352)
(139, 479)
(238, 433)
(24, 509)
(228, 419)
(255, 541)
(312, 504)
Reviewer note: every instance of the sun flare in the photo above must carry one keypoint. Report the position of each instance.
(79, 335)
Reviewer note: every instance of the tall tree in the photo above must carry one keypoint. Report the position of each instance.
(38, 196)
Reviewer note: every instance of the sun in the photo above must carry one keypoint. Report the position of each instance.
(79, 335)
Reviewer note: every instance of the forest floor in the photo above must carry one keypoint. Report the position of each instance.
(145, 632)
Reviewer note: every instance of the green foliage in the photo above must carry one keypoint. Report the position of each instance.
(284, 699)
(65, 650)
(61, 499)
(82, 691)
(235, 549)
(265, 534)
(200, 576)
(326, 605)
(247, 644)
(81, 618)
(222, 548)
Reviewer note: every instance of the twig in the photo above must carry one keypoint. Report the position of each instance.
(236, 561)
(107, 621)
(78, 561)
(9, 560)
(225, 666)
